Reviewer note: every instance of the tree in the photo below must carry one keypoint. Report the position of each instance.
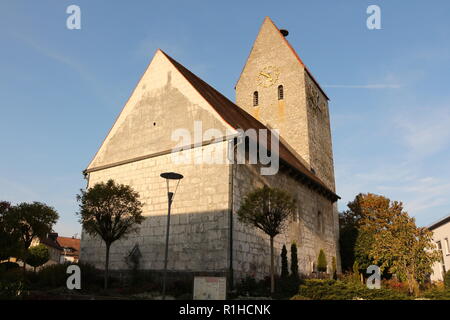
(10, 245)
(37, 256)
(284, 263)
(404, 249)
(32, 220)
(356, 229)
(322, 262)
(388, 237)
(334, 268)
(294, 261)
(267, 209)
(110, 211)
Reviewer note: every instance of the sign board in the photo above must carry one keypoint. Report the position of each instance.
(210, 288)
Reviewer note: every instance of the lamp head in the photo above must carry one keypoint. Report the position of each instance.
(171, 176)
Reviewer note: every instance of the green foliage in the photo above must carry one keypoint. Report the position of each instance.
(10, 245)
(334, 268)
(250, 287)
(437, 294)
(348, 233)
(363, 244)
(55, 276)
(322, 262)
(339, 290)
(384, 231)
(267, 209)
(37, 255)
(33, 220)
(447, 280)
(11, 290)
(5, 266)
(284, 263)
(110, 211)
(294, 261)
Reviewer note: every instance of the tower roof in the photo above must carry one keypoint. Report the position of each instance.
(269, 23)
(239, 119)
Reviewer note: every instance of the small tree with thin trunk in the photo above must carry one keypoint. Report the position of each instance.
(267, 209)
(37, 256)
(322, 262)
(110, 211)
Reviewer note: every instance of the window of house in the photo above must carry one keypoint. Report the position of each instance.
(255, 99)
(280, 92)
(447, 245)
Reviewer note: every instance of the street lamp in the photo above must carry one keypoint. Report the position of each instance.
(170, 195)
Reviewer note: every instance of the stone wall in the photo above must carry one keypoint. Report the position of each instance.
(319, 133)
(251, 246)
(199, 220)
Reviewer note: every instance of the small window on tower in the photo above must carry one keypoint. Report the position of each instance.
(255, 99)
(280, 92)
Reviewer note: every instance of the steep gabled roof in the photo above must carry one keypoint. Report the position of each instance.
(239, 119)
(439, 223)
(283, 38)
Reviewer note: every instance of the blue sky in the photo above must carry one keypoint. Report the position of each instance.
(61, 90)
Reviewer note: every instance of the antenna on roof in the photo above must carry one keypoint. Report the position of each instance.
(284, 32)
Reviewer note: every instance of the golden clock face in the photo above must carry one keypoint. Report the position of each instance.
(268, 76)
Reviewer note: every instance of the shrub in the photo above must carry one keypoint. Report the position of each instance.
(287, 287)
(284, 263)
(437, 294)
(340, 290)
(37, 256)
(54, 276)
(250, 287)
(447, 280)
(299, 297)
(5, 266)
(334, 268)
(396, 285)
(294, 261)
(11, 290)
(322, 262)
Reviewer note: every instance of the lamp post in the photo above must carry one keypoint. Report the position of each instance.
(170, 195)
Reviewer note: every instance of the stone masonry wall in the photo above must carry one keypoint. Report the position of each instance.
(251, 246)
(199, 219)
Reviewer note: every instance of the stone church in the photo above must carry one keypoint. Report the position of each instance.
(275, 91)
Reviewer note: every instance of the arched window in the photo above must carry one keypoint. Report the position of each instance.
(280, 92)
(255, 99)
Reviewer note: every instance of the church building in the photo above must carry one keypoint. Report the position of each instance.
(275, 91)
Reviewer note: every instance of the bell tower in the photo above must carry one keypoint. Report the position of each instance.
(276, 88)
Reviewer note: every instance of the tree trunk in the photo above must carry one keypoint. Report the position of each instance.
(272, 271)
(413, 285)
(107, 265)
